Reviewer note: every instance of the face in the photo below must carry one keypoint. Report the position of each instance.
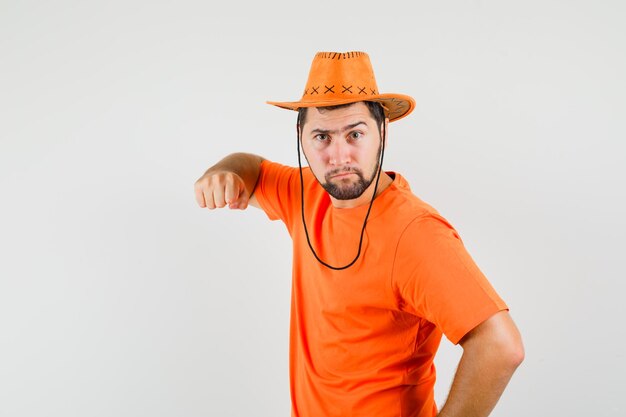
(342, 147)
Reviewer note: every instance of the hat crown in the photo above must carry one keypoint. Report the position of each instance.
(340, 75)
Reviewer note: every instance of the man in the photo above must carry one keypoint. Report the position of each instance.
(378, 274)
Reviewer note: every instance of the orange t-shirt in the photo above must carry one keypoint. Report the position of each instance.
(363, 339)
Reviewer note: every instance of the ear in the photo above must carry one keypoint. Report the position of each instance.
(384, 128)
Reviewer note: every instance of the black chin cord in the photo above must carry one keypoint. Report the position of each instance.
(306, 232)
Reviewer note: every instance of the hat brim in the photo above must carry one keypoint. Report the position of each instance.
(396, 106)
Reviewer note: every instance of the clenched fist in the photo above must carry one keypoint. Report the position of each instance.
(230, 182)
(220, 188)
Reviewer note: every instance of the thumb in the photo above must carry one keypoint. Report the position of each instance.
(241, 203)
(240, 199)
(233, 189)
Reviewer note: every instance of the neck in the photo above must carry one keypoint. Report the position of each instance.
(366, 197)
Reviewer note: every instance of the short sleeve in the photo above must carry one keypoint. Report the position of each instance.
(435, 278)
(276, 190)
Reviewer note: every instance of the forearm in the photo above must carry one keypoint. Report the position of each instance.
(490, 357)
(476, 389)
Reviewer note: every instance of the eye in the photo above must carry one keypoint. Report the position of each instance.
(355, 135)
(321, 137)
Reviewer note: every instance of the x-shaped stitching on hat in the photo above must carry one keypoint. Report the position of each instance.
(348, 89)
(361, 90)
(329, 89)
(373, 91)
(314, 90)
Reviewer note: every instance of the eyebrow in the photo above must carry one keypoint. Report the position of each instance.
(348, 127)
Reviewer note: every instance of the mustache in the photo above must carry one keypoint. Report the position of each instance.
(344, 170)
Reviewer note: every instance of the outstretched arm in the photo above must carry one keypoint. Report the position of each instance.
(491, 353)
(229, 182)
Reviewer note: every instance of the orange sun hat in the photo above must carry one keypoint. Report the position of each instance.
(346, 77)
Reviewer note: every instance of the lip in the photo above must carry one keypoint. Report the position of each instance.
(343, 174)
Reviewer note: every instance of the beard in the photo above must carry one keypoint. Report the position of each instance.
(345, 190)
(349, 191)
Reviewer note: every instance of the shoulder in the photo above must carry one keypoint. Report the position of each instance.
(407, 208)
(419, 227)
(270, 167)
(271, 170)
(278, 190)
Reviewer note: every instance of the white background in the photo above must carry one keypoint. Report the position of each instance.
(120, 297)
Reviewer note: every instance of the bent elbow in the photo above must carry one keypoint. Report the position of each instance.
(517, 355)
(513, 352)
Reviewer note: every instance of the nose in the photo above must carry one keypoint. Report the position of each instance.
(339, 153)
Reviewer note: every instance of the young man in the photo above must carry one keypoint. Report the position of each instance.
(378, 274)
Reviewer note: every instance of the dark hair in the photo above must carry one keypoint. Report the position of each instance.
(376, 110)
